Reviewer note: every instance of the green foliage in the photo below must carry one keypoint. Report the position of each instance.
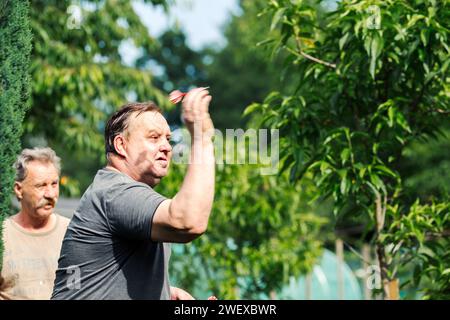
(79, 76)
(422, 235)
(181, 67)
(426, 166)
(364, 91)
(15, 48)
(261, 232)
(242, 72)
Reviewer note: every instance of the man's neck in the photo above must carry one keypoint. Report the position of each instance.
(34, 225)
(122, 167)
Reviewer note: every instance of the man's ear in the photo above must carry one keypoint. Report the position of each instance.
(119, 145)
(18, 190)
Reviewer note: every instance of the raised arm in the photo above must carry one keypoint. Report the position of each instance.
(185, 217)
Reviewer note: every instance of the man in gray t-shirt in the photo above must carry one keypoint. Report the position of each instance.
(117, 243)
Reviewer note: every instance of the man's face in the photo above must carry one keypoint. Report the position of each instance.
(39, 191)
(148, 147)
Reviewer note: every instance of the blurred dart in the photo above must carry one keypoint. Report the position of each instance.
(177, 96)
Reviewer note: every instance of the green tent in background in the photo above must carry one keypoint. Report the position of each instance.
(323, 281)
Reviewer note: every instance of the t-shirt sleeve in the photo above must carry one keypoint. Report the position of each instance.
(130, 211)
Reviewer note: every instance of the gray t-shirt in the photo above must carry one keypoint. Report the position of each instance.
(107, 252)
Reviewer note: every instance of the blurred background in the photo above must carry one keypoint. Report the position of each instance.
(357, 89)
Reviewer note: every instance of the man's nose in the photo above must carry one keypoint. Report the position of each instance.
(51, 192)
(165, 147)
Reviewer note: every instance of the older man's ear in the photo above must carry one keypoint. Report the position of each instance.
(18, 190)
(119, 145)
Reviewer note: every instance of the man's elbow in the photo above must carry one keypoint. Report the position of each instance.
(195, 231)
(187, 236)
(192, 226)
(199, 230)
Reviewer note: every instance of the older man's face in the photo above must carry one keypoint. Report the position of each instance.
(39, 191)
(148, 147)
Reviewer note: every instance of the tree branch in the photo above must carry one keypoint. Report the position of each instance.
(441, 111)
(309, 57)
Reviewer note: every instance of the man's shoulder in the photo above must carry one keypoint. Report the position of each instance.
(5, 225)
(62, 220)
(8, 221)
(107, 181)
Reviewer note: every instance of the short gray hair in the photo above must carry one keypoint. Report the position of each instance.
(45, 155)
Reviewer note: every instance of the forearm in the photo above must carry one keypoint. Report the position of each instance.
(192, 204)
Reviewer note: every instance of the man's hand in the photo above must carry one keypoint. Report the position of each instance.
(196, 112)
(179, 294)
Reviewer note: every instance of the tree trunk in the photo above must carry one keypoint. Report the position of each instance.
(390, 286)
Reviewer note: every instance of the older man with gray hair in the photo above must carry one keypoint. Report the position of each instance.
(32, 238)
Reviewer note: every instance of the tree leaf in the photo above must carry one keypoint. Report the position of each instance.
(343, 40)
(345, 154)
(276, 18)
(251, 108)
(344, 186)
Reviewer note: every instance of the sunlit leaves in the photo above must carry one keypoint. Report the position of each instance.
(388, 88)
(78, 75)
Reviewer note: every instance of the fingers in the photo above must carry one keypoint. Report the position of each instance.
(196, 104)
(204, 104)
(187, 296)
(180, 294)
